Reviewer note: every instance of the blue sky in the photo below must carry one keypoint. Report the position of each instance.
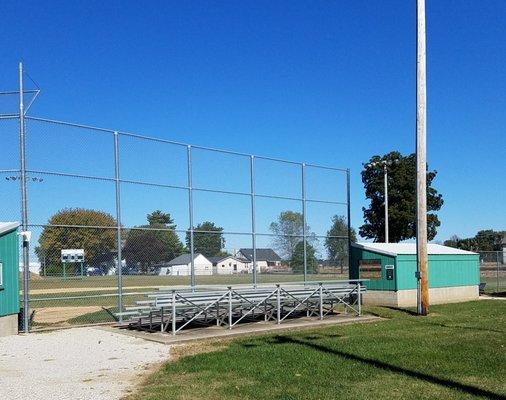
(322, 82)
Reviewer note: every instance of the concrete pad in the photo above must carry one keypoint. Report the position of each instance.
(246, 329)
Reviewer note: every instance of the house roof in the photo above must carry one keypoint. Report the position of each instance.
(8, 226)
(262, 254)
(183, 259)
(393, 249)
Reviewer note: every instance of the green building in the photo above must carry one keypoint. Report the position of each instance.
(9, 278)
(454, 274)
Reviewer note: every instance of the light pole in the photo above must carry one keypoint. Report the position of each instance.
(385, 164)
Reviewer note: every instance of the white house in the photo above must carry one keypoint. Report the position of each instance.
(34, 267)
(181, 266)
(229, 265)
(267, 259)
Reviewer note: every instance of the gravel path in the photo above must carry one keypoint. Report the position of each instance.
(79, 363)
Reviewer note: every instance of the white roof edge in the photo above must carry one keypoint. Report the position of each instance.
(8, 226)
(394, 249)
(364, 246)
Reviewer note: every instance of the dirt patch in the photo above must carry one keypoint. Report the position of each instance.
(191, 349)
(54, 315)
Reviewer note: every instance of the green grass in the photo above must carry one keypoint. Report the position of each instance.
(458, 352)
(48, 283)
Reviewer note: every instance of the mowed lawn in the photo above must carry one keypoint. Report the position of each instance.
(458, 352)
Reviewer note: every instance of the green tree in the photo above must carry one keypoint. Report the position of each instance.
(160, 218)
(484, 240)
(337, 248)
(99, 244)
(297, 260)
(154, 243)
(401, 199)
(208, 243)
(288, 230)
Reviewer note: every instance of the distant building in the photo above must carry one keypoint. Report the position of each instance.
(267, 259)
(181, 266)
(229, 265)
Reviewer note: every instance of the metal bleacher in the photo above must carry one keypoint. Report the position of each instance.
(175, 309)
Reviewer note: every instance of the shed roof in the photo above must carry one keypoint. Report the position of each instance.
(394, 249)
(8, 226)
(183, 259)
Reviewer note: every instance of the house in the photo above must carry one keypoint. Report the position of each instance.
(229, 265)
(267, 259)
(454, 274)
(181, 266)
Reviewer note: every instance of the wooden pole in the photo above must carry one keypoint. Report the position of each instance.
(421, 164)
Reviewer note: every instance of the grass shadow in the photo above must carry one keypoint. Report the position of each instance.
(473, 390)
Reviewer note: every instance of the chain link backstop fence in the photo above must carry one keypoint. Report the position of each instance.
(115, 215)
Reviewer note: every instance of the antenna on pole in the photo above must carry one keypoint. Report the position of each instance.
(421, 164)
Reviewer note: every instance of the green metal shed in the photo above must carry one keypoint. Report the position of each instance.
(454, 274)
(9, 278)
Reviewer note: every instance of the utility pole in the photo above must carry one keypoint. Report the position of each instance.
(421, 165)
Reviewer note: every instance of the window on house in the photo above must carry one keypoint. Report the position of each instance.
(370, 269)
(235, 267)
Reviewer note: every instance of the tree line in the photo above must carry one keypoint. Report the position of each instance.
(157, 242)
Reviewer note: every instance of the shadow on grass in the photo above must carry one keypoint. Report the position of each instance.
(392, 368)
(442, 325)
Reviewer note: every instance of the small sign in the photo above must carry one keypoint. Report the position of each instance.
(389, 272)
(72, 255)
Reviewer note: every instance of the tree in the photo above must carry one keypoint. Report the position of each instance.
(288, 230)
(337, 248)
(401, 199)
(160, 218)
(484, 240)
(297, 260)
(99, 244)
(154, 243)
(209, 244)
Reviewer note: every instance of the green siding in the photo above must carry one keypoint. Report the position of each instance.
(445, 270)
(9, 292)
(382, 284)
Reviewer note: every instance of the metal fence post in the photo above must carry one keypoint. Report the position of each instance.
(230, 307)
(253, 217)
(278, 301)
(173, 312)
(497, 277)
(304, 222)
(24, 205)
(320, 295)
(359, 299)
(190, 209)
(118, 224)
(348, 213)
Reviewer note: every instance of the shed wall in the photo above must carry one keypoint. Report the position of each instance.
(9, 293)
(358, 254)
(445, 270)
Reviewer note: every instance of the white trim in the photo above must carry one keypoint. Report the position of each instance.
(8, 226)
(394, 249)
